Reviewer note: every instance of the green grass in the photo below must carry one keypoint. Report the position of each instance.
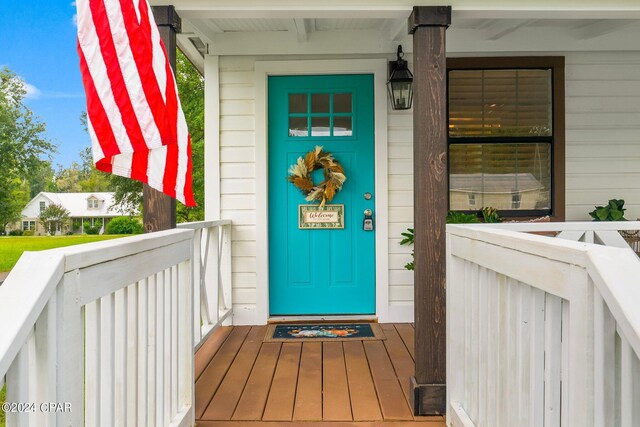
(12, 247)
(3, 396)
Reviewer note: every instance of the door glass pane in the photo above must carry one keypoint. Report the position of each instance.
(503, 176)
(500, 103)
(320, 103)
(297, 103)
(342, 103)
(320, 126)
(298, 126)
(342, 126)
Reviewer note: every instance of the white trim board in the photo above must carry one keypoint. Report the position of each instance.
(264, 69)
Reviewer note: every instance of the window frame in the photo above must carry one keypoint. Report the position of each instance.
(42, 205)
(557, 139)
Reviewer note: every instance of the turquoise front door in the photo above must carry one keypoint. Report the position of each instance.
(321, 271)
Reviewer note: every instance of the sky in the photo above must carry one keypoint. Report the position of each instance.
(38, 43)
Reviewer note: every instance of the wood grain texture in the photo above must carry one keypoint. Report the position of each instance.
(254, 396)
(335, 403)
(209, 348)
(226, 399)
(430, 200)
(430, 423)
(393, 404)
(408, 334)
(214, 373)
(308, 406)
(283, 389)
(400, 358)
(364, 400)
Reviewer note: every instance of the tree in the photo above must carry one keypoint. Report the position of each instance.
(54, 218)
(22, 142)
(10, 208)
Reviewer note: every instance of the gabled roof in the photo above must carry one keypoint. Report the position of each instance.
(76, 203)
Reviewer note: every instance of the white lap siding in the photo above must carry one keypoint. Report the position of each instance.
(603, 131)
(602, 162)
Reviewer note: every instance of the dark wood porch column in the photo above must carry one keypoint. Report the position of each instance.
(428, 25)
(159, 210)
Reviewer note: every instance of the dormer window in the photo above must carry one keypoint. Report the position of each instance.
(92, 203)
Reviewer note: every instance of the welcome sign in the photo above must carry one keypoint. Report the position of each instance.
(314, 216)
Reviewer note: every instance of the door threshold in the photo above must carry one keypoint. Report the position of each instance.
(371, 318)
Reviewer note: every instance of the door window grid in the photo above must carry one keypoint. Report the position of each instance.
(325, 114)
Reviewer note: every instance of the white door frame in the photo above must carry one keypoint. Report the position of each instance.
(263, 69)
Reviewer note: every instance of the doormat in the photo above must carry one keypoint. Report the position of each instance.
(324, 332)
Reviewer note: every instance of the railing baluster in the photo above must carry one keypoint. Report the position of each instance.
(175, 285)
(120, 347)
(92, 363)
(143, 348)
(537, 366)
(197, 284)
(159, 352)
(45, 335)
(553, 356)
(18, 387)
(603, 363)
(132, 354)
(107, 356)
(152, 349)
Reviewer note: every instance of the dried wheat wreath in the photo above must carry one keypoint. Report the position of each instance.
(300, 175)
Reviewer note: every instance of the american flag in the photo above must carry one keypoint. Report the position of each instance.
(135, 119)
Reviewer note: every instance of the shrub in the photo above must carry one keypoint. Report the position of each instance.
(613, 211)
(15, 233)
(27, 233)
(69, 233)
(92, 230)
(124, 225)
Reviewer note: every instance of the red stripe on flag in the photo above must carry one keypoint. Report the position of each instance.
(142, 50)
(188, 184)
(122, 98)
(96, 112)
(171, 117)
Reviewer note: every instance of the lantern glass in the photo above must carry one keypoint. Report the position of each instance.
(400, 83)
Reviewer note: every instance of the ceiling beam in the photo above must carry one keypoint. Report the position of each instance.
(501, 28)
(601, 27)
(300, 27)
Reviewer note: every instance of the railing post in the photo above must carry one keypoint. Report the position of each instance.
(225, 270)
(70, 351)
(196, 268)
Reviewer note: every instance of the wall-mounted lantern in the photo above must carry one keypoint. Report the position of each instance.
(400, 83)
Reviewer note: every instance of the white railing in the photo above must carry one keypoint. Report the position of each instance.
(103, 334)
(542, 331)
(211, 275)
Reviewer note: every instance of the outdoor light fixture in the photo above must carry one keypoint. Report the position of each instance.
(400, 83)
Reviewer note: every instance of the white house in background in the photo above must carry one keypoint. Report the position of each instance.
(85, 209)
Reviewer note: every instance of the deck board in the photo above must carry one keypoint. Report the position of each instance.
(400, 357)
(208, 383)
(407, 333)
(308, 406)
(209, 349)
(243, 381)
(283, 388)
(224, 402)
(335, 404)
(393, 404)
(364, 400)
(254, 398)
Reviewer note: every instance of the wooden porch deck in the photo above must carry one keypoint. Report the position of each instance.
(241, 381)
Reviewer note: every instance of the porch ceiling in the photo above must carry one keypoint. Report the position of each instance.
(333, 27)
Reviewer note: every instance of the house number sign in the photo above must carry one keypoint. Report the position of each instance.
(317, 217)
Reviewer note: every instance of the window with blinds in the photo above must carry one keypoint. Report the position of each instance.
(501, 137)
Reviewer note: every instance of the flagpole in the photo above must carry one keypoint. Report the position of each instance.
(159, 210)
